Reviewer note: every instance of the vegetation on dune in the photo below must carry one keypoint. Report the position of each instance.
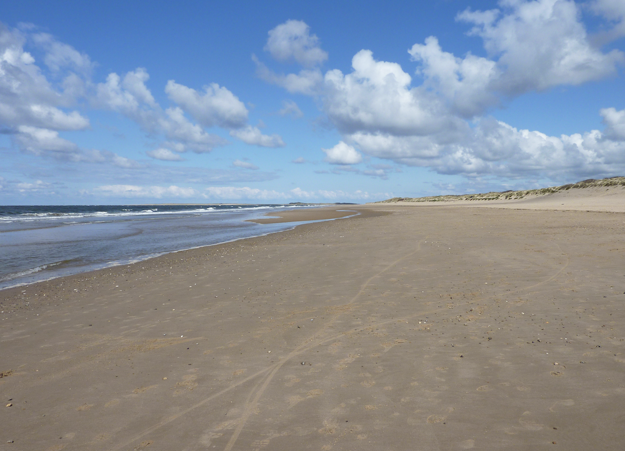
(514, 195)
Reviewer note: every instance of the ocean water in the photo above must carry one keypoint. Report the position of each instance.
(43, 242)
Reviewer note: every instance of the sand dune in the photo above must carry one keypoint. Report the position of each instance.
(607, 199)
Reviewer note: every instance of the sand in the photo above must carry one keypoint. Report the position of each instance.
(430, 328)
(606, 199)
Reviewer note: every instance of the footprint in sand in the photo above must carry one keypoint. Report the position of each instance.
(56, 447)
(100, 438)
(528, 423)
(467, 444)
(188, 384)
(136, 391)
(291, 380)
(112, 403)
(433, 419)
(207, 438)
(564, 402)
(144, 444)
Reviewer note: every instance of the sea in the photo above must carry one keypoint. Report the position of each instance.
(44, 242)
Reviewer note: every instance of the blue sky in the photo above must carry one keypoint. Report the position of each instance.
(276, 101)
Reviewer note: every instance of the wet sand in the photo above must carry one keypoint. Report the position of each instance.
(308, 214)
(433, 328)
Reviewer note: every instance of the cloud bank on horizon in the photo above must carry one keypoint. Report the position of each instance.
(438, 116)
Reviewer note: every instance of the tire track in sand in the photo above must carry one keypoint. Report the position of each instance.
(310, 343)
(262, 385)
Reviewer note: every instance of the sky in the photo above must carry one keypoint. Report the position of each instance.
(152, 101)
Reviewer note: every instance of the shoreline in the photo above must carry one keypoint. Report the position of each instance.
(297, 217)
(454, 328)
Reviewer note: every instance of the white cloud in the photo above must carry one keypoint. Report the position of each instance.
(26, 96)
(237, 193)
(48, 143)
(216, 106)
(290, 108)
(299, 160)
(134, 84)
(615, 123)
(464, 82)
(307, 81)
(37, 186)
(292, 41)
(36, 141)
(530, 46)
(59, 55)
(338, 195)
(252, 135)
(540, 44)
(178, 128)
(244, 165)
(496, 148)
(113, 94)
(164, 155)
(614, 12)
(342, 154)
(246, 193)
(145, 191)
(131, 97)
(377, 96)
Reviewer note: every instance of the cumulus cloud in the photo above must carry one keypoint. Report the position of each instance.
(244, 165)
(60, 55)
(290, 108)
(292, 41)
(443, 121)
(377, 96)
(307, 81)
(26, 96)
(498, 149)
(532, 46)
(36, 141)
(216, 106)
(177, 127)
(342, 154)
(252, 135)
(464, 82)
(164, 155)
(540, 44)
(615, 123)
(614, 12)
(131, 97)
(48, 143)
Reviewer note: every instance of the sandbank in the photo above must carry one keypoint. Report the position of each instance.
(434, 328)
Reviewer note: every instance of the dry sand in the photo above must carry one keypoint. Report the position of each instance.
(607, 199)
(438, 328)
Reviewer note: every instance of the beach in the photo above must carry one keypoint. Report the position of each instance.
(430, 327)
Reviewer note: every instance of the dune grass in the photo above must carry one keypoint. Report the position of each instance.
(513, 195)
